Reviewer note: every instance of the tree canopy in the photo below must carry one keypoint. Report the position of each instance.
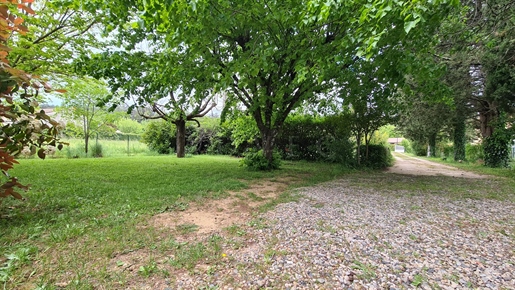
(23, 128)
(271, 56)
(60, 31)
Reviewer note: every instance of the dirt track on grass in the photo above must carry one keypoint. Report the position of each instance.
(407, 165)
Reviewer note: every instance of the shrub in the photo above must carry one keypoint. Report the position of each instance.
(474, 152)
(341, 151)
(160, 136)
(220, 145)
(96, 150)
(255, 160)
(305, 137)
(200, 139)
(419, 148)
(496, 148)
(379, 156)
(302, 138)
(447, 150)
(407, 146)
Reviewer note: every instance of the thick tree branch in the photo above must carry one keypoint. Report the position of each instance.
(201, 113)
(242, 99)
(248, 100)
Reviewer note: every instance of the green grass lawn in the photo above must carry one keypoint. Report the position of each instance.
(79, 213)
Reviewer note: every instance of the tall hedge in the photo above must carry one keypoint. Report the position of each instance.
(379, 156)
(305, 137)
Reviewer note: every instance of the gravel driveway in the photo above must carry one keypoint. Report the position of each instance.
(362, 233)
(340, 236)
(405, 164)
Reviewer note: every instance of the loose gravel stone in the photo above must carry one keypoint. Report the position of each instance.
(343, 237)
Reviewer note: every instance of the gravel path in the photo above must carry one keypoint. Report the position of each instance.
(405, 164)
(343, 236)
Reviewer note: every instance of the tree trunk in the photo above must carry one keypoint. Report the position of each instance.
(268, 142)
(459, 139)
(181, 138)
(358, 150)
(485, 120)
(86, 141)
(432, 145)
(85, 128)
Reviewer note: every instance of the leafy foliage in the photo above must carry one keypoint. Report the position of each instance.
(96, 150)
(419, 148)
(305, 137)
(129, 126)
(270, 57)
(497, 146)
(159, 136)
(243, 130)
(459, 140)
(24, 129)
(56, 34)
(379, 157)
(474, 152)
(475, 45)
(80, 104)
(256, 160)
(408, 146)
(156, 89)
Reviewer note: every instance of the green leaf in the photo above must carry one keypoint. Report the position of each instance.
(410, 25)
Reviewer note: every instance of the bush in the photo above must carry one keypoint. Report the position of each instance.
(96, 150)
(255, 160)
(447, 150)
(407, 146)
(419, 148)
(220, 145)
(474, 152)
(160, 136)
(305, 137)
(496, 148)
(341, 151)
(379, 156)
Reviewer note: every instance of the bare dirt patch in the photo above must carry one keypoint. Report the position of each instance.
(415, 166)
(194, 223)
(215, 215)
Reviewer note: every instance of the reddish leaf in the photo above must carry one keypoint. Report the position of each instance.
(5, 48)
(18, 20)
(4, 11)
(26, 9)
(22, 29)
